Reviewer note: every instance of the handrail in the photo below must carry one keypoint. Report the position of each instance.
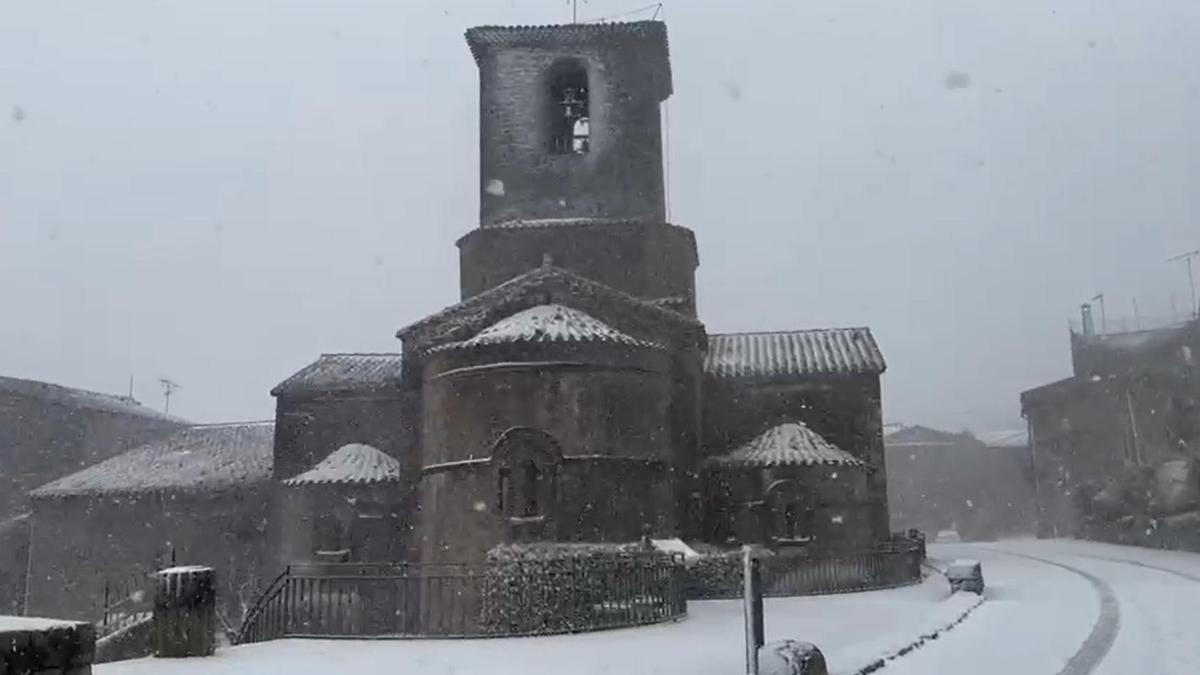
(273, 590)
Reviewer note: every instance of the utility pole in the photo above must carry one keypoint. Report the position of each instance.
(1187, 258)
(169, 388)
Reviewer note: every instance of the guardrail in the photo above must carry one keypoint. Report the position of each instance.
(537, 597)
(800, 571)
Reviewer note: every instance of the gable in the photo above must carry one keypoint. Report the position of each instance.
(553, 285)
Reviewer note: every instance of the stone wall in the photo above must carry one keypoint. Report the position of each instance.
(646, 260)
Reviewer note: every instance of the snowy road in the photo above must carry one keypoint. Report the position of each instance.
(1052, 608)
(1072, 608)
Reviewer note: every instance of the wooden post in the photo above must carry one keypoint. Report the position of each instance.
(753, 606)
(185, 618)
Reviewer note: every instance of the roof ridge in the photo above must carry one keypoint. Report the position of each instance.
(793, 331)
(360, 354)
(212, 425)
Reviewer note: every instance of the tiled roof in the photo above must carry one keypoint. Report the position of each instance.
(82, 398)
(549, 323)
(790, 444)
(541, 285)
(351, 464)
(343, 372)
(826, 351)
(201, 458)
(482, 38)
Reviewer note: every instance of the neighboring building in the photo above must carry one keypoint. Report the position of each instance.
(48, 431)
(978, 485)
(573, 395)
(198, 496)
(1132, 403)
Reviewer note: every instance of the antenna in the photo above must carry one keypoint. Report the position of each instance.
(1103, 317)
(1187, 258)
(169, 388)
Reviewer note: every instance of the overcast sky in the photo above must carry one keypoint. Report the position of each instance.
(219, 191)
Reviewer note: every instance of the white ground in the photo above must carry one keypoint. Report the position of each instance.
(1069, 608)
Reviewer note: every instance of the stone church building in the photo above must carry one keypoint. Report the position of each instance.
(573, 394)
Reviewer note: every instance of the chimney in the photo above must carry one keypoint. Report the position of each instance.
(1085, 311)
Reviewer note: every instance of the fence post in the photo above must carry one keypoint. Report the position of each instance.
(185, 618)
(753, 603)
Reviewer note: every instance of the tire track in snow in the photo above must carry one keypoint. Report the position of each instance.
(1138, 563)
(1104, 632)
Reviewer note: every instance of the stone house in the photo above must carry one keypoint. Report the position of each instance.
(1132, 403)
(48, 431)
(199, 495)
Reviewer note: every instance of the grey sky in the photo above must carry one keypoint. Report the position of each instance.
(219, 191)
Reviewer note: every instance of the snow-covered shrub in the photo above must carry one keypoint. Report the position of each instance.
(556, 588)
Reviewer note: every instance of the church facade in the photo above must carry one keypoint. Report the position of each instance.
(573, 394)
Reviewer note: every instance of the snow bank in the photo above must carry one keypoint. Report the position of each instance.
(30, 623)
(874, 655)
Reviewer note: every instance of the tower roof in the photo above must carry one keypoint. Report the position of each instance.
(483, 39)
(790, 444)
(355, 464)
(550, 323)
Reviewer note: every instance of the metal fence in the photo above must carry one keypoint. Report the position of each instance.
(794, 572)
(460, 601)
(126, 601)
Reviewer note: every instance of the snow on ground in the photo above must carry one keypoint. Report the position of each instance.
(1052, 608)
(16, 623)
(851, 629)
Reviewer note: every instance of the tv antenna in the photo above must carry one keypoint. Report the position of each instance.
(169, 388)
(1103, 317)
(1187, 258)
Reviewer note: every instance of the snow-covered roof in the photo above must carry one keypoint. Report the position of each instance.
(1004, 438)
(201, 458)
(919, 436)
(351, 464)
(549, 323)
(541, 285)
(789, 444)
(343, 372)
(82, 398)
(825, 351)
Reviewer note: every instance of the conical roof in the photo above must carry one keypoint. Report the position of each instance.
(551, 323)
(351, 464)
(790, 444)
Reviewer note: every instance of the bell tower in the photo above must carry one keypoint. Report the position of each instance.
(571, 159)
(569, 121)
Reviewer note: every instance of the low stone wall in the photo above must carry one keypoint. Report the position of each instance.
(45, 647)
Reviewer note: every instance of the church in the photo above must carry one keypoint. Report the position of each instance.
(574, 395)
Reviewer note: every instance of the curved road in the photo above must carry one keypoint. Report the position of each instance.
(1072, 608)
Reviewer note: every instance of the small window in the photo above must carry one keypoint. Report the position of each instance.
(531, 478)
(570, 125)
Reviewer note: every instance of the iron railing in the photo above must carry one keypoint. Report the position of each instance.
(463, 601)
(126, 601)
(799, 571)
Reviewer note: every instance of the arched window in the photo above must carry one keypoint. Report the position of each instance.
(570, 125)
(526, 470)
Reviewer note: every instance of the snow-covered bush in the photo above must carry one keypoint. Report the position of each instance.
(557, 588)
